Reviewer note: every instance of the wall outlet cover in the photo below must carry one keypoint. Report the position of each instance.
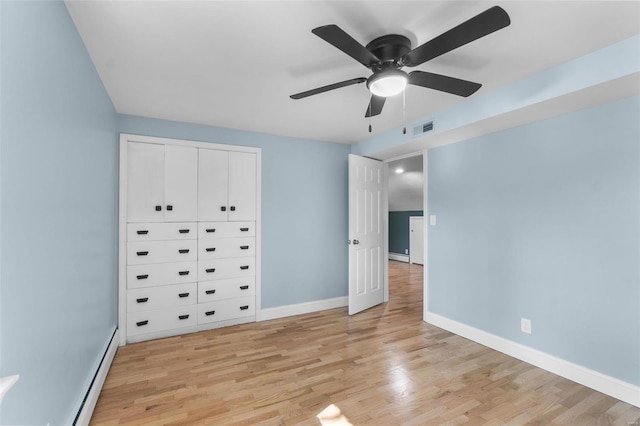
(525, 325)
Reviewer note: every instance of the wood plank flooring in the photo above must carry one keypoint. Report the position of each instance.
(384, 366)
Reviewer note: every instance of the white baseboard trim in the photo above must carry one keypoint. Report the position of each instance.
(611, 386)
(302, 308)
(399, 257)
(96, 386)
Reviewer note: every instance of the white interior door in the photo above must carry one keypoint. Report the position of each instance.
(145, 182)
(213, 181)
(416, 239)
(366, 233)
(181, 183)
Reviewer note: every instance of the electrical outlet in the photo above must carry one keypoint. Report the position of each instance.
(406, 251)
(432, 220)
(525, 325)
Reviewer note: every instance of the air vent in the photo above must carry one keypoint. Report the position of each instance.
(423, 128)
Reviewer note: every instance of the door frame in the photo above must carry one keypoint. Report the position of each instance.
(425, 209)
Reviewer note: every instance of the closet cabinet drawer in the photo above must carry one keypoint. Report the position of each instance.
(159, 274)
(226, 268)
(210, 291)
(161, 251)
(221, 248)
(226, 229)
(161, 231)
(161, 319)
(226, 309)
(147, 299)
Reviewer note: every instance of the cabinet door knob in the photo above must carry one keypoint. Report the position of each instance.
(158, 208)
(244, 308)
(244, 287)
(183, 295)
(142, 253)
(142, 300)
(210, 291)
(183, 317)
(169, 207)
(210, 270)
(244, 247)
(210, 230)
(183, 272)
(210, 249)
(209, 313)
(244, 267)
(232, 208)
(183, 231)
(142, 277)
(142, 232)
(141, 323)
(244, 229)
(223, 208)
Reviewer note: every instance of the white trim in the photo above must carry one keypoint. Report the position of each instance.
(94, 392)
(6, 383)
(425, 228)
(302, 308)
(611, 386)
(122, 239)
(189, 143)
(399, 257)
(385, 231)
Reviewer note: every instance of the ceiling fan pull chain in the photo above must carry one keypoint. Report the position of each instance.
(369, 117)
(404, 112)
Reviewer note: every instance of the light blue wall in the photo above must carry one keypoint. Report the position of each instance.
(304, 208)
(543, 222)
(58, 174)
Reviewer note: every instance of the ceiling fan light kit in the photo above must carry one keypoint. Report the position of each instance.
(385, 56)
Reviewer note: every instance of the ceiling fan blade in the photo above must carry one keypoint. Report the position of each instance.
(334, 35)
(375, 106)
(443, 83)
(329, 87)
(479, 26)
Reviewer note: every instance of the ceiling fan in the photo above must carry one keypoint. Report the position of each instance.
(387, 55)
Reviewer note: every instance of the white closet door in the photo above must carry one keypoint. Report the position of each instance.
(213, 171)
(242, 186)
(145, 182)
(181, 184)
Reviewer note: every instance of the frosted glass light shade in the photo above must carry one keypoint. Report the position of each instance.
(387, 83)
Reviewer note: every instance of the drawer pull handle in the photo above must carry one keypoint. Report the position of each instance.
(244, 287)
(210, 270)
(183, 295)
(210, 230)
(183, 317)
(223, 208)
(141, 323)
(169, 207)
(211, 249)
(142, 232)
(183, 272)
(244, 308)
(183, 251)
(158, 208)
(210, 291)
(244, 229)
(142, 253)
(244, 267)
(142, 277)
(209, 313)
(232, 208)
(183, 231)
(244, 247)
(142, 300)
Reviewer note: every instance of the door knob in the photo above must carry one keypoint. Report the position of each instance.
(356, 242)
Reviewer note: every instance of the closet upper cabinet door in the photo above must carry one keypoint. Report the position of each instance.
(145, 182)
(213, 169)
(181, 184)
(242, 186)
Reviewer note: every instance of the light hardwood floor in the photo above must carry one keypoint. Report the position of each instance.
(384, 366)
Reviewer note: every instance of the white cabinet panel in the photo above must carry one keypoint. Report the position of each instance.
(213, 182)
(161, 251)
(222, 248)
(226, 309)
(226, 229)
(150, 298)
(159, 274)
(242, 186)
(181, 184)
(161, 319)
(161, 231)
(210, 291)
(226, 268)
(145, 182)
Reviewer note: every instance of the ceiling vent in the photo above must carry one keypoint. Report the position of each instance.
(423, 128)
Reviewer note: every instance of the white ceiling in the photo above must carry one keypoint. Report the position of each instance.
(234, 63)
(405, 189)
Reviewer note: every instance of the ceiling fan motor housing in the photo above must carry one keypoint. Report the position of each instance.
(389, 49)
